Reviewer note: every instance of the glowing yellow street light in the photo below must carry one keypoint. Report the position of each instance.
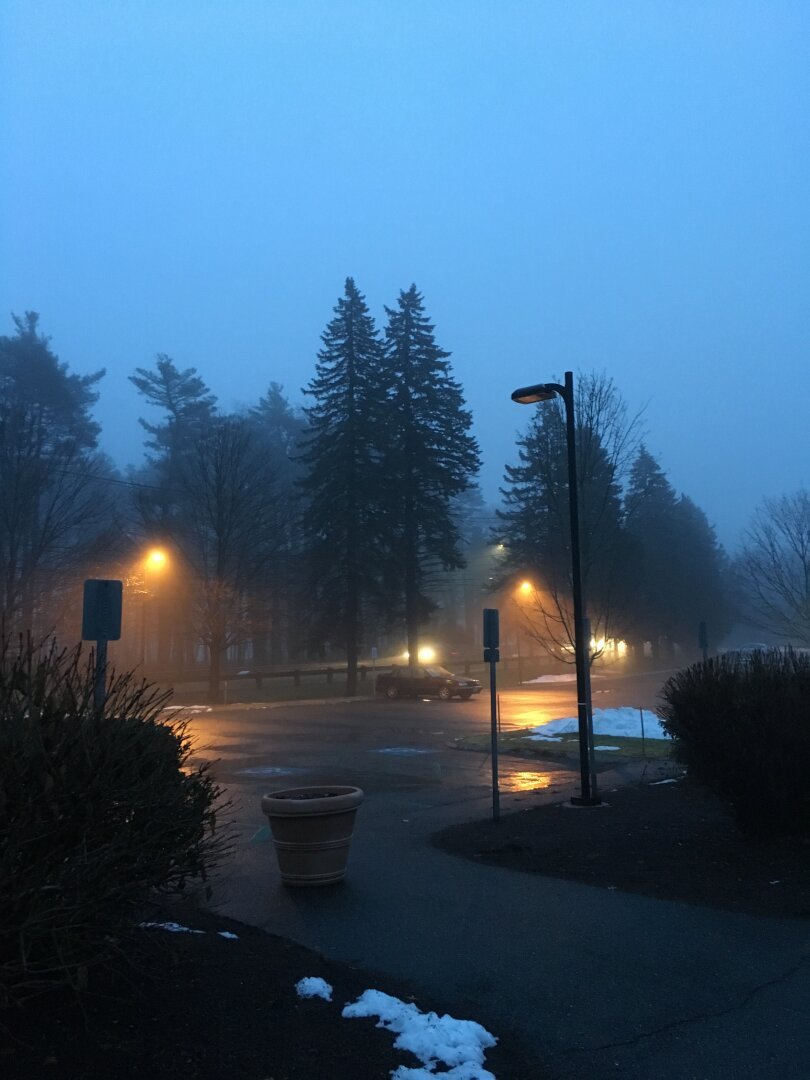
(156, 559)
(526, 587)
(426, 654)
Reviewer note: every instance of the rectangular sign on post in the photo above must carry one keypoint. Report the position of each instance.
(492, 634)
(101, 613)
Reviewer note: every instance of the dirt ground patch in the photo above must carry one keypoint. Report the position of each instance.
(666, 840)
(204, 1007)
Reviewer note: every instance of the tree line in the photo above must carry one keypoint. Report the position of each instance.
(652, 566)
(308, 531)
(294, 528)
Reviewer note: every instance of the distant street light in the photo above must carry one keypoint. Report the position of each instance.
(530, 395)
(156, 559)
(154, 562)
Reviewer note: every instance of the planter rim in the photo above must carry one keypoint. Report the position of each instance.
(336, 799)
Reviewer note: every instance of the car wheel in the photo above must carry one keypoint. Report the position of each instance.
(392, 692)
(445, 693)
(465, 696)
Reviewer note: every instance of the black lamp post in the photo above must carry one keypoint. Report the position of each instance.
(530, 395)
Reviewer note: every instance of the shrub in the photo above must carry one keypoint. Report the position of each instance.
(741, 724)
(98, 813)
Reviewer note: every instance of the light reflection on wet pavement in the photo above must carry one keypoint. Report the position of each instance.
(531, 780)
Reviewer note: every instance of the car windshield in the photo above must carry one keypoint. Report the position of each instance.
(437, 671)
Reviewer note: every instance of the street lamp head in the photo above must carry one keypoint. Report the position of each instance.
(530, 395)
(156, 559)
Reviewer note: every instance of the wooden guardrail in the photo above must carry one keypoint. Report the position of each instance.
(296, 674)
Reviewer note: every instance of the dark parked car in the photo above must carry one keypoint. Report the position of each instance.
(426, 682)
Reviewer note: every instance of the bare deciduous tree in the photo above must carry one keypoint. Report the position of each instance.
(224, 529)
(775, 566)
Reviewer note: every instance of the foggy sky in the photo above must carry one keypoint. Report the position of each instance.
(618, 186)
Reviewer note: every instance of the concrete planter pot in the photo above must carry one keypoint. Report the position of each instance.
(312, 830)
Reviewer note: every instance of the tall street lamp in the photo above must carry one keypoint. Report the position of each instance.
(531, 395)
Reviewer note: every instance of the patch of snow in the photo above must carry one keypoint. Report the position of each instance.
(568, 677)
(622, 721)
(671, 780)
(172, 927)
(434, 1039)
(551, 678)
(178, 928)
(312, 987)
(607, 748)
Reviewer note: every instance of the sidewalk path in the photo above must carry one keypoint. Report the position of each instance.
(599, 982)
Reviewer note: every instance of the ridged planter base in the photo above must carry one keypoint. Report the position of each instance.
(312, 829)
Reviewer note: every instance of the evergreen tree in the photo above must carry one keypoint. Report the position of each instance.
(211, 493)
(280, 426)
(182, 395)
(55, 509)
(680, 570)
(343, 477)
(187, 410)
(430, 458)
(188, 407)
(651, 504)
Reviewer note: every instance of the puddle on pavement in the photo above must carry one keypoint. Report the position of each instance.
(527, 780)
(266, 770)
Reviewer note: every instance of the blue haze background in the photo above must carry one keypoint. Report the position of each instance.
(577, 185)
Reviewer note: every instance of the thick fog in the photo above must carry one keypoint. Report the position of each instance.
(596, 187)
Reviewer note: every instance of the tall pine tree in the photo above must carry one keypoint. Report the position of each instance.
(680, 569)
(343, 476)
(55, 509)
(182, 395)
(430, 458)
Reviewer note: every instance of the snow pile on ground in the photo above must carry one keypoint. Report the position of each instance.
(622, 721)
(172, 927)
(312, 986)
(567, 677)
(432, 1038)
